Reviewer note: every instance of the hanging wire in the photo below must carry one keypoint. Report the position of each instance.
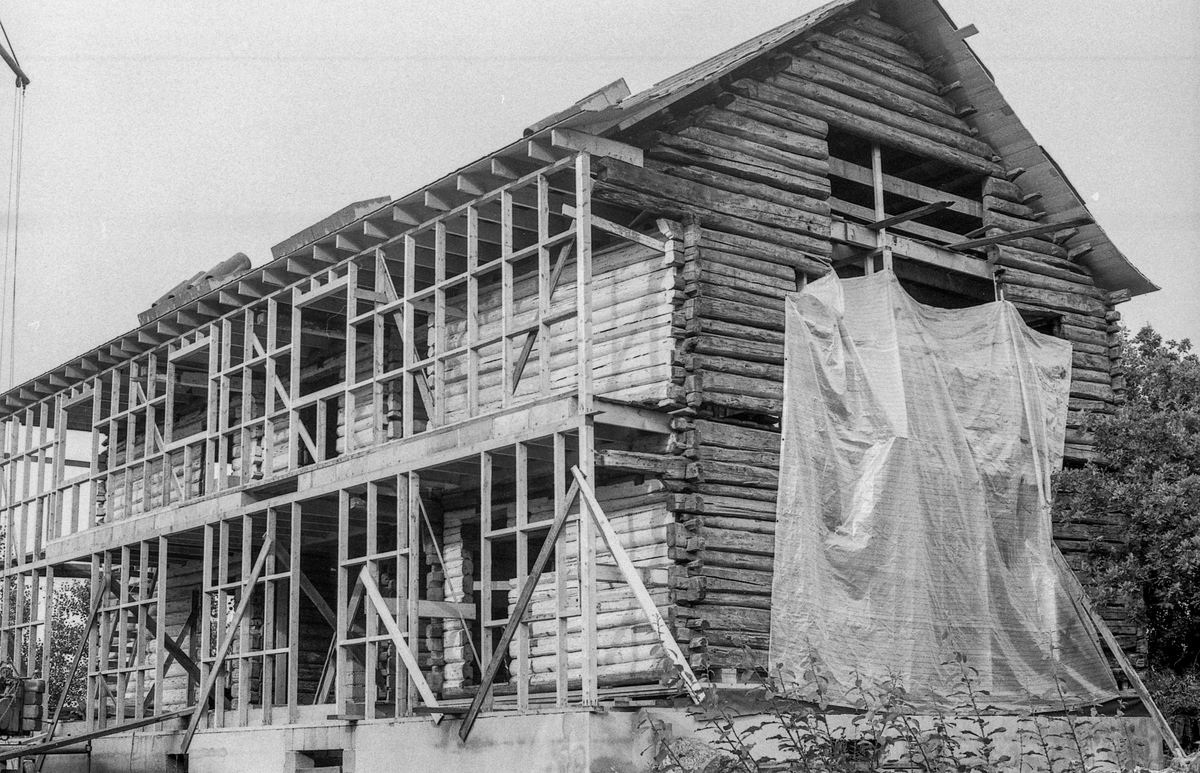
(8, 289)
(16, 231)
(4, 284)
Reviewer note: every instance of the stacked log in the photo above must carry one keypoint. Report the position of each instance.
(458, 669)
(642, 513)
(430, 637)
(627, 647)
(635, 295)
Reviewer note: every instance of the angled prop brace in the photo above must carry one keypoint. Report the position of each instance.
(223, 651)
(518, 612)
(1075, 588)
(389, 622)
(694, 689)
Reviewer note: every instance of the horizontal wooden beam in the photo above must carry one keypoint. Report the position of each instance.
(580, 142)
(860, 174)
(911, 249)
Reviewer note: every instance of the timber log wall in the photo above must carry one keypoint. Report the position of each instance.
(749, 171)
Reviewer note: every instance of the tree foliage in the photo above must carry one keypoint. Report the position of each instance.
(1148, 480)
(69, 617)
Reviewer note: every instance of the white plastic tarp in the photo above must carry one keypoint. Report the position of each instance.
(914, 518)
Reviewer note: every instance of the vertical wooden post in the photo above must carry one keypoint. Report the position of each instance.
(344, 685)
(472, 311)
(351, 358)
(506, 297)
(408, 346)
(96, 474)
(583, 322)
(270, 611)
(146, 581)
(545, 287)
(371, 665)
(246, 434)
(522, 575)
(437, 331)
(485, 557)
(561, 578)
(160, 616)
(222, 583)
(43, 466)
(48, 636)
(122, 623)
(412, 587)
(379, 420)
(880, 213)
(208, 478)
(293, 636)
(224, 394)
(294, 385)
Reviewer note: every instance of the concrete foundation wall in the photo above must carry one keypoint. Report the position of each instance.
(553, 741)
(575, 741)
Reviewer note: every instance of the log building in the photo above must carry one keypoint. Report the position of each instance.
(309, 496)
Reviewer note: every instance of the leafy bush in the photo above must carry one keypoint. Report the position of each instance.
(1149, 481)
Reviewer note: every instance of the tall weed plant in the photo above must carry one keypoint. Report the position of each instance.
(788, 724)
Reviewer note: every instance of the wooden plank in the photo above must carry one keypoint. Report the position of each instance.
(500, 651)
(450, 610)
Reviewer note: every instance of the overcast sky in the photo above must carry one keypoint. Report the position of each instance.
(162, 138)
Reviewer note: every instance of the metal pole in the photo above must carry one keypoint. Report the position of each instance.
(22, 78)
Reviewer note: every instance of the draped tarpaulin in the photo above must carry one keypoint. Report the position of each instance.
(914, 518)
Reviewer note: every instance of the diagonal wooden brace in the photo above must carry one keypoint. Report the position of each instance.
(531, 337)
(389, 622)
(630, 573)
(223, 651)
(79, 653)
(1077, 593)
(518, 612)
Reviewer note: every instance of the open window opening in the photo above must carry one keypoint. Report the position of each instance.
(927, 200)
(322, 359)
